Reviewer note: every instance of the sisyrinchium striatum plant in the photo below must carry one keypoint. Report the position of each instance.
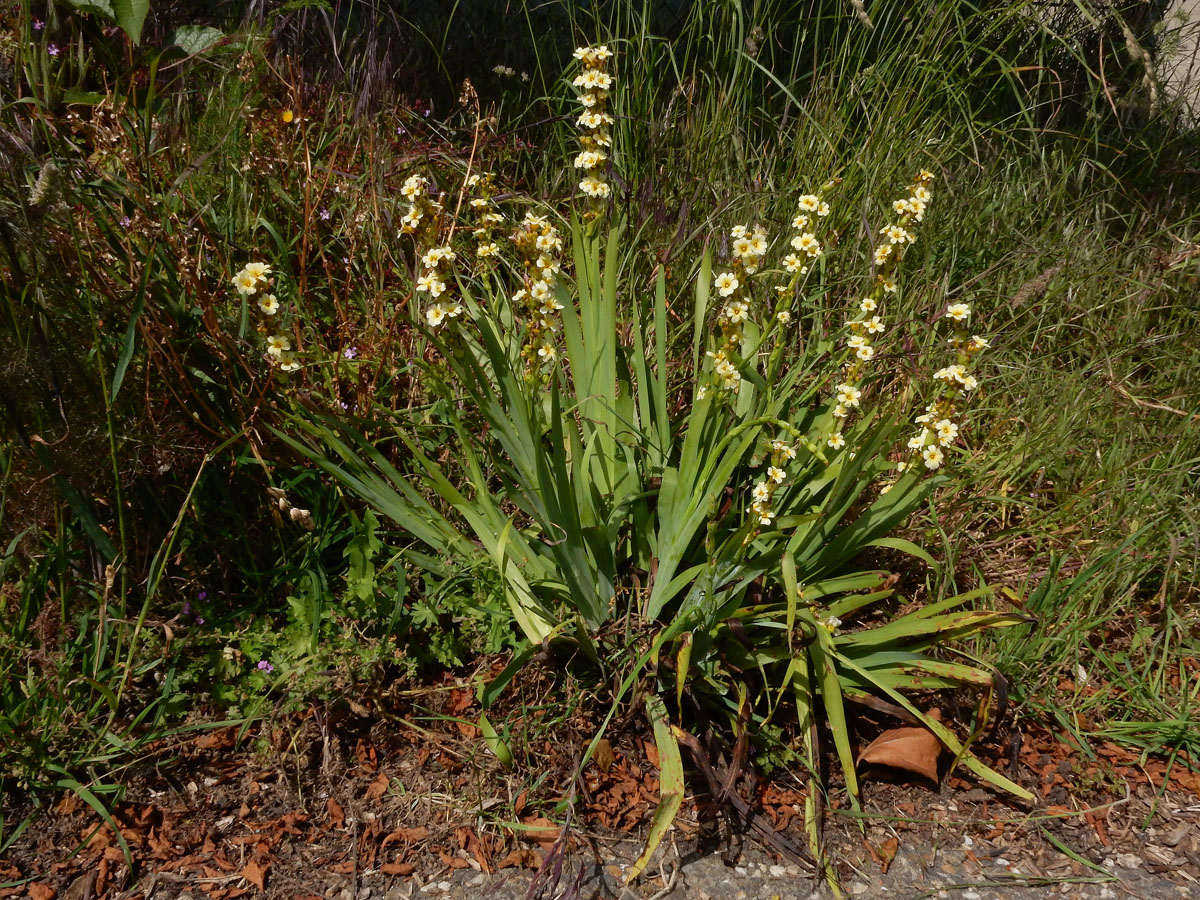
(690, 512)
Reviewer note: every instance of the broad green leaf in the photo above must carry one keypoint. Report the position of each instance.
(193, 39)
(130, 16)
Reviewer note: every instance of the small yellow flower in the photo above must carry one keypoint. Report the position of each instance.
(277, 344)
(288, 363)
(547, 352)
(848, 395)
(245, 284)
(874, 325)
(868, 305)
(287, 116)
(947, 431)
(268, 304)
(809, 203)
(726, 283)
(836, 441)
(435, 315)
(776, 474)
(959, 312)
(783, 317)
(865, 352)
(595, 187)
(933, 457)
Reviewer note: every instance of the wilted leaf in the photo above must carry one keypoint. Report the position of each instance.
(41, 891)
(603, 757)
(908, 747)
(396, 868)
(256, 872)
(540, 829)
(336, 814)
(378, 787)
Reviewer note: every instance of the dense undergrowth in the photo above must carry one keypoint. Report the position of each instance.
(172, 559)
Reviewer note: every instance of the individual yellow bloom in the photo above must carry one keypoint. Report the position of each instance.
(888, 283)
(761, 492)
(288, 362)
(868, 305)
(855, 341)
(737, 232)
(959, 312)
(743, 246)
(256, 270)
(726, 283)
(783, 317)
(547, 352)
(809, 203)
(865, 352)
(933, 457)
(245, 284)
(901, 207)
(883, 253)
(776, 474)
(589, 159)
(539, 291)
(595, 187)
(919, 440)
(287, 116)
(792, 263)
(413, 187)
(277, 344)
(268, 304)
(800, 223)
(836, 441)
(737, 312)
(947, 431)
(848, 395)
(922, 194)
(807, 243)
(874, 325)
(435, 315)
(489, 249)
(431, 284)
(897, 235)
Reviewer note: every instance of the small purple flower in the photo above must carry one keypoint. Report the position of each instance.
(125, 222)
(187, 608)
(203, 595)
(324, 214)
(38, 24)
(52, 49)
(199, 620)
(265, 666)
(350, 352)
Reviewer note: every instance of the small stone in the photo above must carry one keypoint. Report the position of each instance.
(858, 888)
(777, 871)
(1129, 861)
(1001, 861)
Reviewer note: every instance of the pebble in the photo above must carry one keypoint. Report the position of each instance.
(1129, 861)
(777, 871)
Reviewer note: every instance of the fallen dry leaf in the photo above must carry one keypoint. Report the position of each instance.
(887, 853)
(40, 891)
(525, 858)
(378, 787)
(336, 814)
(603, 757)
(908, 747)
(540, 829)
(256, 873)
(397, 868)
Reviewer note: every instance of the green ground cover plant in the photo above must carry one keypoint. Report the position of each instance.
(147, 418)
